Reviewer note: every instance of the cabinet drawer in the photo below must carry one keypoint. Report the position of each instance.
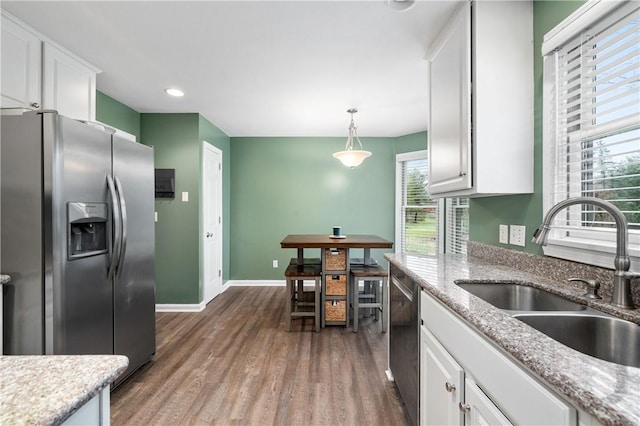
(335, 310)
(336, 285)
(335, 259)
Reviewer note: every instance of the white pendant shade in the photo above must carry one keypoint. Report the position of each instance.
(352, 158)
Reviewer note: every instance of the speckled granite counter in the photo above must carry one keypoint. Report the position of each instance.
(46, 390)
(4, 279)
(607, 391)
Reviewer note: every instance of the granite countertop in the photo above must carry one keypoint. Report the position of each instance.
(608, 391)
(47, 389)
(4, 279)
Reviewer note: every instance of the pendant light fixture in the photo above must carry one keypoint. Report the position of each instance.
(352, 157)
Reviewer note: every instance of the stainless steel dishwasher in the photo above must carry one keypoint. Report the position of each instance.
(404, 339)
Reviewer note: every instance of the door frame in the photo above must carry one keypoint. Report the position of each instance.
(205, 297)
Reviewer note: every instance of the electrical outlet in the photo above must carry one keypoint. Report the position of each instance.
(503, 234)
(517, 235)
(275, 263)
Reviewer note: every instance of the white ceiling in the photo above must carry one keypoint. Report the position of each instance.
(256, 68)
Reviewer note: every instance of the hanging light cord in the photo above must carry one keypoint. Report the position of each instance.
(353, 130)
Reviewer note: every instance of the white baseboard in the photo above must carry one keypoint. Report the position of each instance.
(199, 307)
(180, 307)
(389, 375)
(254, 283)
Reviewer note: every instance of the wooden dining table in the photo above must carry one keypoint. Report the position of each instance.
(336, 303)
(321, 241)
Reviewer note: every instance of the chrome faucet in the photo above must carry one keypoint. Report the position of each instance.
(622, 277)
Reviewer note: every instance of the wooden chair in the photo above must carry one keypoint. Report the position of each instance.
(377, 299)
(297, 305)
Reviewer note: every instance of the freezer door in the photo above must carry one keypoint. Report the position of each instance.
(21, 251)
(134, 285)
(78, 296)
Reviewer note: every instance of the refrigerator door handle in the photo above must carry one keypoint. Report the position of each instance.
(117, 232)
(123, 218)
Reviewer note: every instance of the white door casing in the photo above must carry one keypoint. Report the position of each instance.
(211, 221)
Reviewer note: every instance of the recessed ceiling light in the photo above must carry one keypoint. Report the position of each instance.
(174, 92)
(399, 4)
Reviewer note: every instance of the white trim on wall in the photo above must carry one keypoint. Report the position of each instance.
(255, 283)
(180, 307)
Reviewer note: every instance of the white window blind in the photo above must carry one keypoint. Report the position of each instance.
(457, 225)
(426, 225)
(592, 121)
(418, 213)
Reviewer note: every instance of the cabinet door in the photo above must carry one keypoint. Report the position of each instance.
(21, 66)
(480, 411)
(441, 384)
(69, 86)
(450, 156)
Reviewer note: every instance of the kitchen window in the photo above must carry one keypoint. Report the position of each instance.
(426, 225)
(591, 129)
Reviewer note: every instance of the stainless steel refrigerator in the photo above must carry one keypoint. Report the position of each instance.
(77, 220)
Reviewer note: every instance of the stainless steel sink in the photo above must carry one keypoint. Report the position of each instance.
(517, 297)
(606, 338)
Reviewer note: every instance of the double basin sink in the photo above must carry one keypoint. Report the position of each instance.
(577, 326)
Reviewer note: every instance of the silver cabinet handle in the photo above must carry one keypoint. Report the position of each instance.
(449, 387)
(209, 234)
(35, 105)
(465, 408)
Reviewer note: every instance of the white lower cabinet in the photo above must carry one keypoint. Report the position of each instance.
(441, 384)
(96, 411)
(446, 396)
(466, 380)
(479, 409)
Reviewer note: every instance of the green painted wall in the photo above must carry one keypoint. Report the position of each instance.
(411, 143)
(487, 213)
(114, 113)
(290, 185)
(175, 138)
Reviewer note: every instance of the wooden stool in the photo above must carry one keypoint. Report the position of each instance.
(305, 261)
(295, 299)
(377, 300)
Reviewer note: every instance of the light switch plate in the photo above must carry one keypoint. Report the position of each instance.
(503, 234)
(185, 197)
(517, 235)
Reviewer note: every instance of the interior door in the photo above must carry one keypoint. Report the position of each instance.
(212, 221)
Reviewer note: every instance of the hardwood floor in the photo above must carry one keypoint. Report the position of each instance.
(234, 363)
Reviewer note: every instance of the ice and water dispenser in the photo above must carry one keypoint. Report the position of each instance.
(87, 229)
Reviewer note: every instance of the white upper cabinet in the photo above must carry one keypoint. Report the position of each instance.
(21, 66)
(481, 101)
(69, 84)
(38, 73)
